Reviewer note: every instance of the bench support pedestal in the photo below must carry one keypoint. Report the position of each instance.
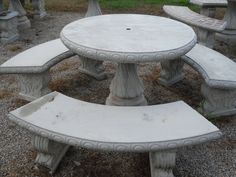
(50, 152)
(33, 86)
(171, 72)
(218, 102)
(208, 11)
(162, 163)
(206, 37)
(92, 68)
(39, 8)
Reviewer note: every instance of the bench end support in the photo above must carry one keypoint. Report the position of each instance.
(50, 152)
(33, 86)
(218, 101)
(162, 163)
(171, 72)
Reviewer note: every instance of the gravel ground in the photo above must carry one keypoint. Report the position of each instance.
(215, 159)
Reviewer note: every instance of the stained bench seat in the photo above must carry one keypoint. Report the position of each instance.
(159, 129)
(32, 67)
(207, 26)
(219, 73)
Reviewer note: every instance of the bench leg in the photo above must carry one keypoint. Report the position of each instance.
(92, 68)
(218, 102)
(23, 21)
(206, 38)
(162, 163)
(50, 152)
(209, 12)
(33, 86)
(171, 72)
(39, 8)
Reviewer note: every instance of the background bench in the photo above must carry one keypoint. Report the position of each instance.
(206, 26)
(219, 73)
(158, 129)
(32, 67)
(208, 7)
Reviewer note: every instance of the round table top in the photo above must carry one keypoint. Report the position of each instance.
(128, 38)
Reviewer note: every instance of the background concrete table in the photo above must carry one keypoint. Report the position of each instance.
(128, 39)
(208, 7)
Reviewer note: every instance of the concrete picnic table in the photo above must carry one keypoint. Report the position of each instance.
(128, 39)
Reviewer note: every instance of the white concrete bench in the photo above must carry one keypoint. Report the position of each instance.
(32, 67)
(208, 7)
(219, 73)
(158, 129)
(206, 26)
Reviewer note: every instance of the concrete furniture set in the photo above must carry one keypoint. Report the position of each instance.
(130, 125)
(159, 129)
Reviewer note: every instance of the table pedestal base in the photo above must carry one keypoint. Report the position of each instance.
(171, 72)
(92, 68)
(227, 36)
(126, 87)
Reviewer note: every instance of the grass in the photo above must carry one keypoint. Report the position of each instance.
(122, 4)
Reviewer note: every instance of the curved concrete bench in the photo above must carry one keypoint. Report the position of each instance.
(219, 73)
(158, 129)
(32, 67)
(207, 26)
(208, 7)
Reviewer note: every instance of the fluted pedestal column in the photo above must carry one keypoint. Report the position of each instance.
(126, 88)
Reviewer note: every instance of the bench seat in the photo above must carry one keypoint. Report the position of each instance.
(219, 73)
(210, 3)
(207, 26)
(208, 7)
(157, 129)
(32, 67)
